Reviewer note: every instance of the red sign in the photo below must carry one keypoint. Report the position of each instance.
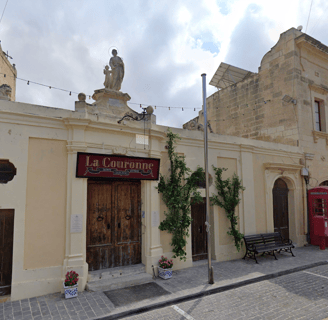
(93, 165)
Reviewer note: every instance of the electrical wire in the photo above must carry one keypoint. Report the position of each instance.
(167, 107)
(318, 20)
(309, 16)
(3, 11)
(28, 82)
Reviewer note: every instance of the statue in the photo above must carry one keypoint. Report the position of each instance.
(117, 65)
(108, 77)
(5, 92)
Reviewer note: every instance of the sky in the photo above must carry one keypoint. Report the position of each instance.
(166, 45)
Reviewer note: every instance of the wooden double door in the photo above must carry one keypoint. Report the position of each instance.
(198, 231)
(113, 224)
(280, 208)
(6, 249)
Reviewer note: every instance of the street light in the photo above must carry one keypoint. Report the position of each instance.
(210, 268)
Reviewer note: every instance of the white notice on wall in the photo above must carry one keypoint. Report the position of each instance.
(141, 139)
(154, 218)
(76, 223)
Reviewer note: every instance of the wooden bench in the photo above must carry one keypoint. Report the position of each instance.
(266, 243)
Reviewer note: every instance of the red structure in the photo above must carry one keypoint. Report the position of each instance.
(318, 200)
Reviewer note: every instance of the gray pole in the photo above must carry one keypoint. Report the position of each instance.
(210, 268)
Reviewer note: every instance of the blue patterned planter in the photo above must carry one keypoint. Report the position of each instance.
(70, 292)
(165, 273)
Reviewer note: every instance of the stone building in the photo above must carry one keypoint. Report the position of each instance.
(285, 102)
(8, 75)
(70, 203)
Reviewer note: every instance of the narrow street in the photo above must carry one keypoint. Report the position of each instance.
(287, 288)
(301, 295)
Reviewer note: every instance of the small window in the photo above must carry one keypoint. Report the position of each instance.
(319, 207)
(319, 116)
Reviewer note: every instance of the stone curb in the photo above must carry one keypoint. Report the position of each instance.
(208, 292)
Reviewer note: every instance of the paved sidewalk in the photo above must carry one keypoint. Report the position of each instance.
(186, 284)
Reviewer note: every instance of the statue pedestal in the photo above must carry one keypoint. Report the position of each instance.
(109, 97)
(110, 103)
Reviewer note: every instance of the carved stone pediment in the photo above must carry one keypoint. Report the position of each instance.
(119, 150)
(283, 168)
(320, 89)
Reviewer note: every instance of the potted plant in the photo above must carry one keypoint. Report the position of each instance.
(165, 268)
(70, 284)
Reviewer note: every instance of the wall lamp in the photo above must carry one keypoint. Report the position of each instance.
(140, 116)
(288, 99)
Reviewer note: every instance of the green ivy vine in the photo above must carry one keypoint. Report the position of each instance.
(228, 199)
(177, 189)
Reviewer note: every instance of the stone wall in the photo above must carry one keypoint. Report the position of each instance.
(254, 108)
(8, 74)
(296, 67)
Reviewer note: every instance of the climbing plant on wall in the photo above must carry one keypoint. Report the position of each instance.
(178, 190)
(228, 199)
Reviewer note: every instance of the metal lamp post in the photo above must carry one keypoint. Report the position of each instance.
(210, 268)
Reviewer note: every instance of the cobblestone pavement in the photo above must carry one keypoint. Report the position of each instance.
(191, 281)
(301, 295)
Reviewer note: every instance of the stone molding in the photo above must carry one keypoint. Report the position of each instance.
(283, 169)
(317, 88)
(76, 146)
(309, 156)
(320, 134)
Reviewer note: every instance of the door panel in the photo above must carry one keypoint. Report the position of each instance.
(198, 231)
(280, 208)
(6, 249)
(99, 231)
(113, 229)
(128, 222)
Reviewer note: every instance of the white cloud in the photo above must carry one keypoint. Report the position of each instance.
(165, 45)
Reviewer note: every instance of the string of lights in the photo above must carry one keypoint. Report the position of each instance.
(167, 107)
(28, 82)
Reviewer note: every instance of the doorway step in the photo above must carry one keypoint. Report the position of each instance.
(117, 278)
(4, 299)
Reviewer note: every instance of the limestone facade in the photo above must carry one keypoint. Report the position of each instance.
(46, 194)
(43, 144)
(279, 102)
(8, 75)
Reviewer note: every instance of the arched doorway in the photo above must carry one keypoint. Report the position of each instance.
(280, 208)
(324, 183)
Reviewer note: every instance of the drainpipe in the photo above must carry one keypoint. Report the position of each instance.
(308, 238)
(305, 175)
